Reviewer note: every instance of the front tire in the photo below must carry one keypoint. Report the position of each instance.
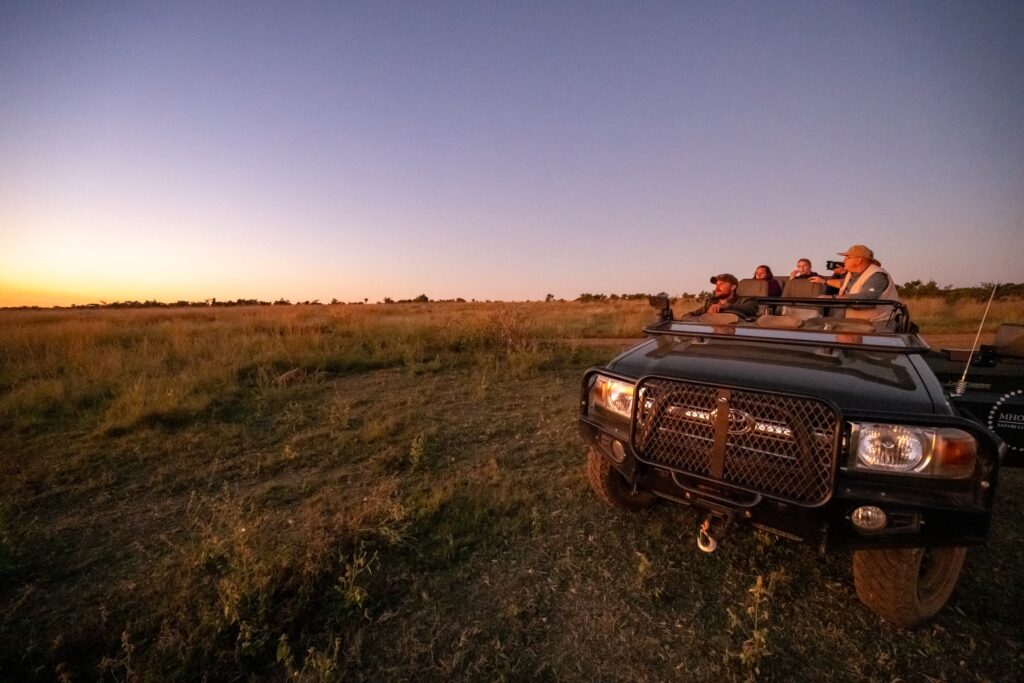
(612, 488)
(907, 586)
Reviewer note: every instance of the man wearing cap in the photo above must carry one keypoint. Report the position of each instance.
(865, 279)
(724, 299)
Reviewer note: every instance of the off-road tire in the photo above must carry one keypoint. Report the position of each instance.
(611, 488)
(907, 586)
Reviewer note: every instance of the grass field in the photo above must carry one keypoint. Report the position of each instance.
(396, 493)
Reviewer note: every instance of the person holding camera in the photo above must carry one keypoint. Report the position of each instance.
(865, 279)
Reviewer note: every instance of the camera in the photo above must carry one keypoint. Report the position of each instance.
(833, 265)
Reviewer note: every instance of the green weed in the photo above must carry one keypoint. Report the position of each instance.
(754, 621)
(350, 584)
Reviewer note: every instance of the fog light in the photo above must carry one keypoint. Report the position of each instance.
(869, 518)
(618, 452)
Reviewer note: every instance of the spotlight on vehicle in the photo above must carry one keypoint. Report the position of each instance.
(869, 518)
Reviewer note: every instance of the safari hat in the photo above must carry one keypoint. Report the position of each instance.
(859, 251)
(727, 277)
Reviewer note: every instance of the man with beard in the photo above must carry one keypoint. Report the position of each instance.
(724, 299)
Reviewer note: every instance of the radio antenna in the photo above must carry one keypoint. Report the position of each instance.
(961, 386)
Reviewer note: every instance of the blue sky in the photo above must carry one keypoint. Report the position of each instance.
(500, 150)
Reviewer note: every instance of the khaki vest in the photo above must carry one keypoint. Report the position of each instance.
(875, 314)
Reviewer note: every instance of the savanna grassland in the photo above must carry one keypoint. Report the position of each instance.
(396, 492)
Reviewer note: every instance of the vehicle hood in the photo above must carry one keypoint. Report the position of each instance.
(855, 380)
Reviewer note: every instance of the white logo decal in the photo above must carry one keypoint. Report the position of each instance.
(1008, 421)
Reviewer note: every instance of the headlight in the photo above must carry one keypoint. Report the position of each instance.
(930, 451)
(612, 396)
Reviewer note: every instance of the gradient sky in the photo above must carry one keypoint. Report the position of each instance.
(500, 150)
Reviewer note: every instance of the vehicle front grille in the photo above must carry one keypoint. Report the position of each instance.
(783, 447)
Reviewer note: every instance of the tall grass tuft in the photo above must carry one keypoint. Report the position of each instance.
(941, 315)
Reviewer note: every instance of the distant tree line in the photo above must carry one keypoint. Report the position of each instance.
(911, 290)
(917, 289)
(587, 297)
(206, 303)
(914, 289)
(424, 299)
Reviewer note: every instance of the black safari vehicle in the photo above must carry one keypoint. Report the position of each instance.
(818, 428)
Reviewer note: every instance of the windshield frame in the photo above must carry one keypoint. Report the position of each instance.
(902, 341)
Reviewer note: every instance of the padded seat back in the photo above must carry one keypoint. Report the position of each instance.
(751, 287)
(802, 288)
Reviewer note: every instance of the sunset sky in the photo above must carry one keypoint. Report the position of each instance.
(500, 150)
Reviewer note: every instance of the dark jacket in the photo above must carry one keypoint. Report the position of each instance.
(744, 307)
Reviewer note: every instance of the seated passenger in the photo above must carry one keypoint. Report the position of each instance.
(724, 299)
(765, 273)
(803, 270)
(865, 280)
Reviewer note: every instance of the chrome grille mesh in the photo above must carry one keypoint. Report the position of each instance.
(781, 446)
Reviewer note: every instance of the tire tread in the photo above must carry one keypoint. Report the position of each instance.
(888, 581)
(611, 488)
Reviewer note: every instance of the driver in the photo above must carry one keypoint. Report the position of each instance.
(724, 299)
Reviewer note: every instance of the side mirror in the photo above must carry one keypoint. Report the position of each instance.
(659, 302)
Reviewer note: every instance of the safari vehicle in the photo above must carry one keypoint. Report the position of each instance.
(836, 432)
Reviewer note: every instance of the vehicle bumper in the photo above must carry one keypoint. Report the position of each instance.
(919, 517)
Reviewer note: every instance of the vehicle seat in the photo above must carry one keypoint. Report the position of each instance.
(749, 287)
(802, 288)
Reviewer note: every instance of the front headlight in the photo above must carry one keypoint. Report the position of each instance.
(929, 451)
(611, 396)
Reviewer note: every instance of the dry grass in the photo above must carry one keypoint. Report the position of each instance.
(938, 316)
(395, 493)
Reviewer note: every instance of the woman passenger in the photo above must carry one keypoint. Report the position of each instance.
(765, 273)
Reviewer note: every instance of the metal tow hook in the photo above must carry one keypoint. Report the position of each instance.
(705, 541)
